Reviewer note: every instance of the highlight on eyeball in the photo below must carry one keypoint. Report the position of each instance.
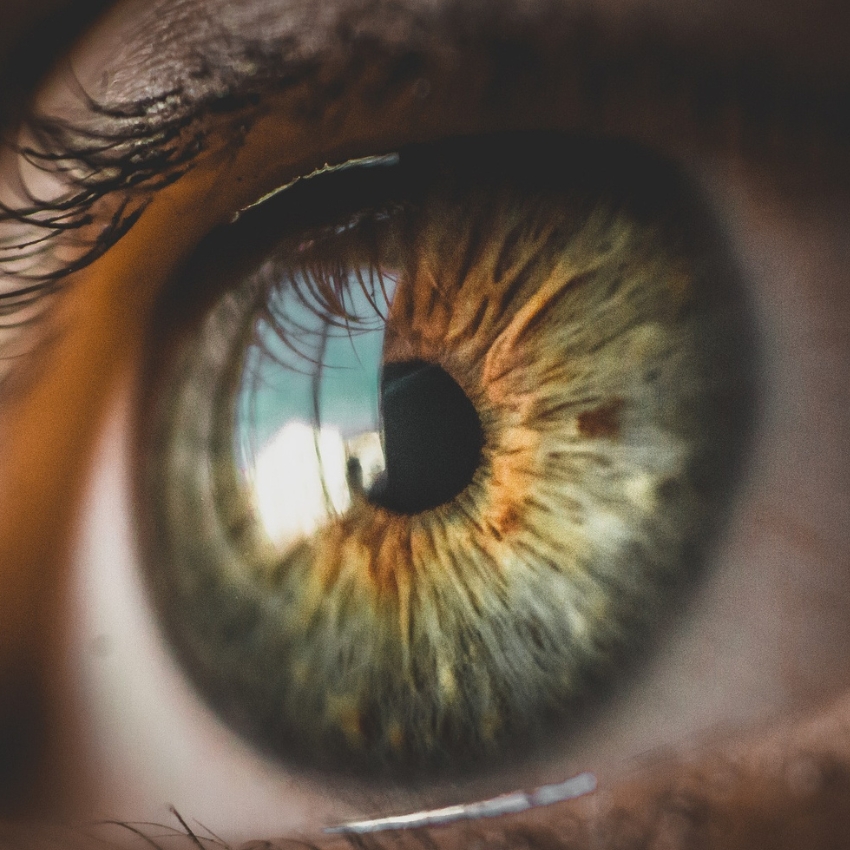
(451, 442)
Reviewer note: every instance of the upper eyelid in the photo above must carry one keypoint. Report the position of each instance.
(119, 153)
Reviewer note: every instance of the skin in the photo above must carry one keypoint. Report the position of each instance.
(736, 733)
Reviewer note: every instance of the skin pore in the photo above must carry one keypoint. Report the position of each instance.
(738, 736)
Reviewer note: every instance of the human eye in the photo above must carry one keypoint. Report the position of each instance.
(758, 642)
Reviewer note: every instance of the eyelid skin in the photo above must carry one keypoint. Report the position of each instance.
(47, 435)
(132, 121)
(800, 40)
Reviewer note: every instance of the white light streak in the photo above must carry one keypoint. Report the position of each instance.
(299, 482)
(518, 801)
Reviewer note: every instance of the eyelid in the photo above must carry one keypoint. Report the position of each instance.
(149, 132)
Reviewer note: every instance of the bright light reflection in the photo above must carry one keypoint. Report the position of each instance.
(304, 476)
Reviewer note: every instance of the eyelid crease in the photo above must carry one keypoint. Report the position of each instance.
(518, 801)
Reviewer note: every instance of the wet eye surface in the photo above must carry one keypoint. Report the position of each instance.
(448, 444)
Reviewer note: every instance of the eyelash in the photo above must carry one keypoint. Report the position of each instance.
(127, 153)
(92, 167)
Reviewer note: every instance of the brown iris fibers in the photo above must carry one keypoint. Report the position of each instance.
(584, 309)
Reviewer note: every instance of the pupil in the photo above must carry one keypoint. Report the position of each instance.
(432, 438)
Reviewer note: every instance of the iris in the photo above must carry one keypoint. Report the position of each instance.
(452, 438)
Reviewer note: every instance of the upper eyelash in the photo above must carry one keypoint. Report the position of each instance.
(127, 151)
(136, 151)
(131, 150)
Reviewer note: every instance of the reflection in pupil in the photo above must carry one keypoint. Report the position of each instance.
(432, 438)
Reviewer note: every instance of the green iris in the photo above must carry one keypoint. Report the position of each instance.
(451, 442)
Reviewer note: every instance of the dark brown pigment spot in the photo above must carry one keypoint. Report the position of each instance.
(603, 421)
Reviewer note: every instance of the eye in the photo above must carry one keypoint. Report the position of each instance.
(751, 643)
(563, 381)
